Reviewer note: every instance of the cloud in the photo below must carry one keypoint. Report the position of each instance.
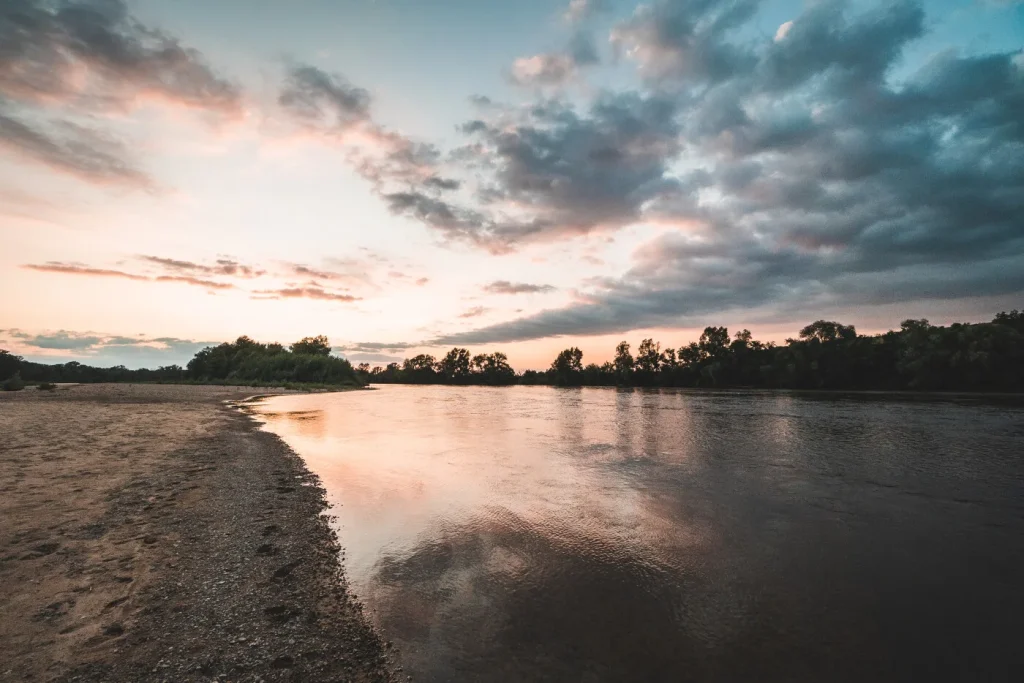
(556, 69)
(326, 104)
(553, 173)
(686, 40)
(105, 349)
(506, 287)
(474, 312)
(813, 177)
(222, 266)
(85, 57)
(78, 269)
(305, 293)
(373, 347)
(61, 340)
(783, 31)
(305, 271)
(209, 284)
(580, 10)
(71, 148)
(322, 99)
(94, 53)
(373, 358)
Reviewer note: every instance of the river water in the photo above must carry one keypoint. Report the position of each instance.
(533, 533)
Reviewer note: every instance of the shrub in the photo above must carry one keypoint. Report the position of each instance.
(14, 383)
(46, 386)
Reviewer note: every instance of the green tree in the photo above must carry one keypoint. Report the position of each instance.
(567, 368)
(827, 331)
(312, 346)
(9, 364)
(714, 342)
(648, 356)
(455, 365)
(623, 363)
(493, 368)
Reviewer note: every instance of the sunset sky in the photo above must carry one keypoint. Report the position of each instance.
(408, 175)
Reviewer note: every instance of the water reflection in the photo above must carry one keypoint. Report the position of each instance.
(532, 533)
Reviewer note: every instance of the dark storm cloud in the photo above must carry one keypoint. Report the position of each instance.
(818, 179)
(88, 56)
(506, 287)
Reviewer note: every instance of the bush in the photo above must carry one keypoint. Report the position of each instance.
(14, 383)
(46, 386)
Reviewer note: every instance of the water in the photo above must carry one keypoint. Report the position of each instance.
(532, 533)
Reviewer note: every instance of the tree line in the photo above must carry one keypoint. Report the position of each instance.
(825, 355)
(243, 361)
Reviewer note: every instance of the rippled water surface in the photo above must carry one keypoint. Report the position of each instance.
(532, 533)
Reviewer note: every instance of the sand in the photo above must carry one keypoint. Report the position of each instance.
(152, 533)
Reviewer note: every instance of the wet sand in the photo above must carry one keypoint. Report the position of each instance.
(152, 533)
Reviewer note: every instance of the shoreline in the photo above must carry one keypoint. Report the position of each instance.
(156, 533)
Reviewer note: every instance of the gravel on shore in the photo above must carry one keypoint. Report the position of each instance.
(153, 533)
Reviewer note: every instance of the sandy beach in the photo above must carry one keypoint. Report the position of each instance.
(152, 533)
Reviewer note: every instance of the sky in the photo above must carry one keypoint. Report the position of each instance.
(404, 176)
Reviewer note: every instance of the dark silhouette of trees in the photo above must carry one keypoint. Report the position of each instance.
(309, 360)
(567, 368)
(827, 355)
(623, 362)
(492, 368)
(455, 366)
(827, 331)
(311, 346)
(9, 364)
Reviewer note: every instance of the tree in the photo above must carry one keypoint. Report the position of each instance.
(420, 363)
(312, 346)
(567, 368)
(1014, 319)
(827, 331)
(623, 362)
(648, 356)
(714, 342)
(9, 364)
(455, 365)
(493, 368)
(569, 360)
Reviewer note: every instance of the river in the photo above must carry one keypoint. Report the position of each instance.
(535, 533)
